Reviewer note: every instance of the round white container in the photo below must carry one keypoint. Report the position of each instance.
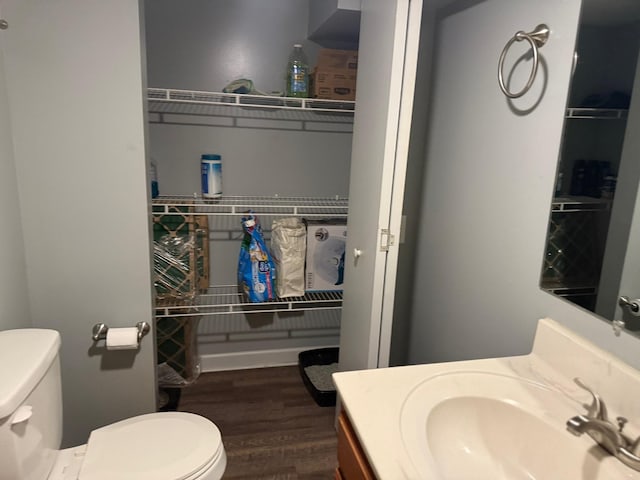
(211, 168)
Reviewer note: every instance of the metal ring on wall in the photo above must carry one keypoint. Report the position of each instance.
(537, 38)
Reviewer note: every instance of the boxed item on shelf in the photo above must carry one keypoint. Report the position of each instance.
(329, 58)
(333, 84)
(181, 271)
(181, 253)
(326, 242)
(177, 351)
(334, 76)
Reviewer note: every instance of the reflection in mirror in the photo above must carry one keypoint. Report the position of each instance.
(597, 180)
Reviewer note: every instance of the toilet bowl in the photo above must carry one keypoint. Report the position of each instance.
(168, 445)
(155, 446)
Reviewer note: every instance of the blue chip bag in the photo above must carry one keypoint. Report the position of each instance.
(256, 269)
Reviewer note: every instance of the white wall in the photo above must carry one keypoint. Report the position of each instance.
(14, 307)
(75, 90)
(489, 180)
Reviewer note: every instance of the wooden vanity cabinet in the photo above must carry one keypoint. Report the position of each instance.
(352, 462)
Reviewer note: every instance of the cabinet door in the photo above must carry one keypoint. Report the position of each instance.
(389, 37)
(352, 461)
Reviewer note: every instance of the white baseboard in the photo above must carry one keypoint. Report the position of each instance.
(253, 359)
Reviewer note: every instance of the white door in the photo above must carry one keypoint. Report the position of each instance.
(389, 40)
(621, 266)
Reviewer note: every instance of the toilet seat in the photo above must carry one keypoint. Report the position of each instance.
(156, 446)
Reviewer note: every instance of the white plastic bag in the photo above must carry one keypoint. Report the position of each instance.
(288, 247)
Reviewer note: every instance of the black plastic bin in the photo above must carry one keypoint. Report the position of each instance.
(323, 391)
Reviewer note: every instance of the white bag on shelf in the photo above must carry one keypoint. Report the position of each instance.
(288, 247)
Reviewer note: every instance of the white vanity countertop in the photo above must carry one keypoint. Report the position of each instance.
(374, 399)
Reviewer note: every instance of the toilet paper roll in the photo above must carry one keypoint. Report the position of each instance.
(122, 338)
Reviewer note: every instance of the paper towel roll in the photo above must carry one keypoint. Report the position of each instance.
(122, 338)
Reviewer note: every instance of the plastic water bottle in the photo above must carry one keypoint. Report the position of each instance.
(153, 178)
(297, 73)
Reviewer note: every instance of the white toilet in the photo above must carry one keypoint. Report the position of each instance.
(156, 446)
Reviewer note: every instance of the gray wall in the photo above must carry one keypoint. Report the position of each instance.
(75, 91)
(205, 46)
(14, 307)
(335, 23)
(484, 215)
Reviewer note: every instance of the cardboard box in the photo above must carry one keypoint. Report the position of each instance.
(337, 59)
(333, 84)
(326, 241)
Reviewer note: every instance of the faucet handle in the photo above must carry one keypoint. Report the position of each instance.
(597, 409)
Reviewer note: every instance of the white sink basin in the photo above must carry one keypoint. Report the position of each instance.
(488, 426)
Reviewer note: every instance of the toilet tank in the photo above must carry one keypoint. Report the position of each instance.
(30, 403)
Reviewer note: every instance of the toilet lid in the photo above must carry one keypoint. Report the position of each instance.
(156, 446)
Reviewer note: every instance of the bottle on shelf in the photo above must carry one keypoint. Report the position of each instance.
(297, 73)
(578, 178)
(153, 179)
(559, 181)
(211, 169)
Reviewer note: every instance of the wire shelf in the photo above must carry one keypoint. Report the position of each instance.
(580, 204)
(336, 207)
(199, 103)
(297, 324)
(571, 287)
(225, 299)
(597, 113)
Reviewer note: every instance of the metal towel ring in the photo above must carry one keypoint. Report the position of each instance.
(536, 39)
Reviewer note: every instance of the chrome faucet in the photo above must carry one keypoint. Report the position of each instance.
(606, 434)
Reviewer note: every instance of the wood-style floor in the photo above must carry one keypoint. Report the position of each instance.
(271, 427)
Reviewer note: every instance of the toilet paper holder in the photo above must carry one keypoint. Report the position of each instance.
(100, 331)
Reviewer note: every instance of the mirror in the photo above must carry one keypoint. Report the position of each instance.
(588, 239)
